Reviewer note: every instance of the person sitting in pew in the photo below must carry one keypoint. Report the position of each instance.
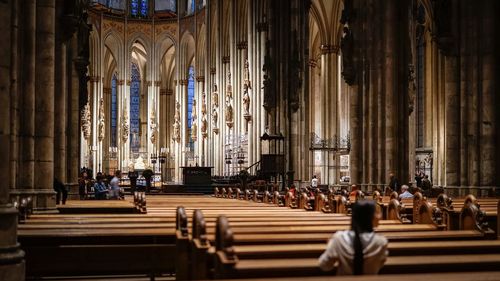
(100, 188)
(114, 192)
(354, 188)
(359, 250)
(405, 194)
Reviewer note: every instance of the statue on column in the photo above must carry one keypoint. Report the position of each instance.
(204, 124)
(194, 124)
(215, 107)
(86, 122)
(267, 68)
(246, 86)
(153, 126)
(229, 107)
(177, 127)
(124, 124)
(101, 119)
(215, 116)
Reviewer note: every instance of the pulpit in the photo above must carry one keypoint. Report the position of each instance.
(197, 179)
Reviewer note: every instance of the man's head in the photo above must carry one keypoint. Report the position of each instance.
(314, 176)
(118, 173)
(391, 175)
(354, 187)
(427, 176)
(404, 188)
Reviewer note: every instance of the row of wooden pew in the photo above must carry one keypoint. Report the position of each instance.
(266, 240)
(162, 240)
(464, 213)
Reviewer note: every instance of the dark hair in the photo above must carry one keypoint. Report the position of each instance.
(362, 215)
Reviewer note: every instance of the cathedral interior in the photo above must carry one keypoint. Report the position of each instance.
(258, 96)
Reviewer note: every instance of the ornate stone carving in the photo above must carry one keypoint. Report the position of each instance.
(124, 124)
(86, 122)
(177, 126)
(153, 126)
(194, 122)
(229, 107)
(101, 119)
(412, 88)
(215, 116)
(204, 123)
(215, 108)
(247, 85)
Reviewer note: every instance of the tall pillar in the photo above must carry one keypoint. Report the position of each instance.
(25, 182)
(11, 257)
(14, 96)
(44, 105)
(61, 93)
(452, 123)
(73, 124)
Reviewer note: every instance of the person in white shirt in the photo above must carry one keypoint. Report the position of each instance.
(405, 194)
(114, 192)
(314, 182)
(359, 250)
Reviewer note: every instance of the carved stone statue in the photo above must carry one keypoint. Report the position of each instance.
(215, 116)
(215, 97)
(194, 112)
(204, 126)
(124, 124)
(86, 122)
(203, 104)
(177, 126)
(229, 115)
(247, 84)
(101, 119)
(229, 107)
(246, 103)
(153, 126)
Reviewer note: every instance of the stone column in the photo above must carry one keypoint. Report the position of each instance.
(11, 257)
(60, 102)
(25, 182)
(44, 105)
(73, 124)
(14, 96)
(488, 127)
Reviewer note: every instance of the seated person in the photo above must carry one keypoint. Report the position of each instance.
(405, 194)
(100, 188)
(293, 190)
(354, 188)
(114, 192)
(359, 250)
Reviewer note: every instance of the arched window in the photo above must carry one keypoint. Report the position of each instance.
(135, 98)
(114, 112)
(166, 5)
(190, 98)
(139, 8)
(191, 6)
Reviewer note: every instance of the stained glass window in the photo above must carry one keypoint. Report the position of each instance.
(166, 5)
(114, 111)
(190, 98)
(135, 99)
(139, 8)
(191, 7)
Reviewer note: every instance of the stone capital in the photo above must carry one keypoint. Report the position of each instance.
(242, 45)
(328, 49)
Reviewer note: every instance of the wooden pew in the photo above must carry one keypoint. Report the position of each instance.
(230, 265)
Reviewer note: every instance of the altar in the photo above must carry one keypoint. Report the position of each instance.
(197, 179)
